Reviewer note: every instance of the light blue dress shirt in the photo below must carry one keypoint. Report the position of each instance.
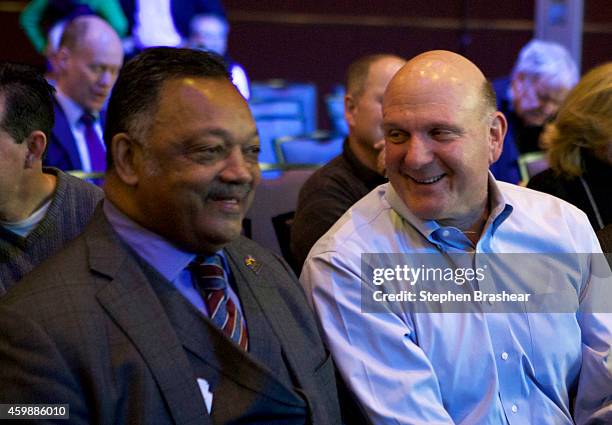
(463, 368)
(168, 260)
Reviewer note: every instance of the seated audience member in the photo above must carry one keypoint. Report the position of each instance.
(161, 312)
(415, 363)
(209, 32)
(542, 76)
(332, 189)
(40, 208)
(88, 62)
(580, 148)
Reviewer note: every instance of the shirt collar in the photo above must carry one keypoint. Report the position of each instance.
(72, 109)
(159, 253)
(501, 208)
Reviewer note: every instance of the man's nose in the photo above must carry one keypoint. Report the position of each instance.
(106, 78)
(237, 169)
(418, 153)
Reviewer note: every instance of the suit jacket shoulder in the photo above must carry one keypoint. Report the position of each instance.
(62, 151)
(85, 328)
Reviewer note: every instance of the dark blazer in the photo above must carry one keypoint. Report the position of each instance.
(62, 150)
(90, 329)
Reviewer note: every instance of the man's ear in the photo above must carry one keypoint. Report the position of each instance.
(126, 156)
(36, 143)
(350, 105)
(498, 127)
(61, 59)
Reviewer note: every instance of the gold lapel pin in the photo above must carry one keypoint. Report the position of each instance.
(252, 264)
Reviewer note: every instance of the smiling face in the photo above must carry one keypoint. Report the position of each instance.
(440, 138)
(198, 166)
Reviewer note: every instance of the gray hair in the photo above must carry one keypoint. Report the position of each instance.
(549, 60)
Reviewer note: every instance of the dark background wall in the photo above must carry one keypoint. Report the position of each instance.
(315, 40)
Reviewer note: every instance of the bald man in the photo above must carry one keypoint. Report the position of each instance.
(427, 323)
(88, 62)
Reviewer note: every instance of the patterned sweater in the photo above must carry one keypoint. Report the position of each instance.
(72, 206)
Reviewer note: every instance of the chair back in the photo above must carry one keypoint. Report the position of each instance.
(303, 93)
(315, 148)
(532, 163)
(274, 119)
(275, 202)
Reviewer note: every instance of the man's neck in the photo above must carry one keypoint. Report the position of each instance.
(472, 225)
(368, 157)
(29, 197)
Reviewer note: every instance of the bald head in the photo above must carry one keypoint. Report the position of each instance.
(89, 60)
(437, 71)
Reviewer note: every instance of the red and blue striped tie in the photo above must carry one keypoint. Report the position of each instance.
(211, 282)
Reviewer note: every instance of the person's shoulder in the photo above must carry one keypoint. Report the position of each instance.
(354, 226)
(75, 192)
(81, 185)
(55, 280)
(535, 206)
(330, 175)
(545, 180)
(533, 199)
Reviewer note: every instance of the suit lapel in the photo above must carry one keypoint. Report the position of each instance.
(200, 336)
(64, 137)
(270, 306)
(133, 305)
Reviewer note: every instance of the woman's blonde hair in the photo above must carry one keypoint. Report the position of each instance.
(584, 121)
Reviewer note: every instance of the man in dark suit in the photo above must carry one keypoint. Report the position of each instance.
(88, 63)
(160, 312)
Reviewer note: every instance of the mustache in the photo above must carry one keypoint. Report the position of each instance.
(229, 190)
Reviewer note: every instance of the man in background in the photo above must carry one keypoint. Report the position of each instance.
(542, 76)
(209, 32)
(88, 63)
(332, 189)
(161, 312)
(40, 208)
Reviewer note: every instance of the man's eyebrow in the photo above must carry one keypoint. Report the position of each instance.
(217, 131)
(446, 126)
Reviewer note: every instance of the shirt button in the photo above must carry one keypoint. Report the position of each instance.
(504, 356)
(514, 408)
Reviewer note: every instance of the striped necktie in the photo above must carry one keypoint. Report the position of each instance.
(210, 281)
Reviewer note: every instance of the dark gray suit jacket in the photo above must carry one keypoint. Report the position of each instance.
(88, 328)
